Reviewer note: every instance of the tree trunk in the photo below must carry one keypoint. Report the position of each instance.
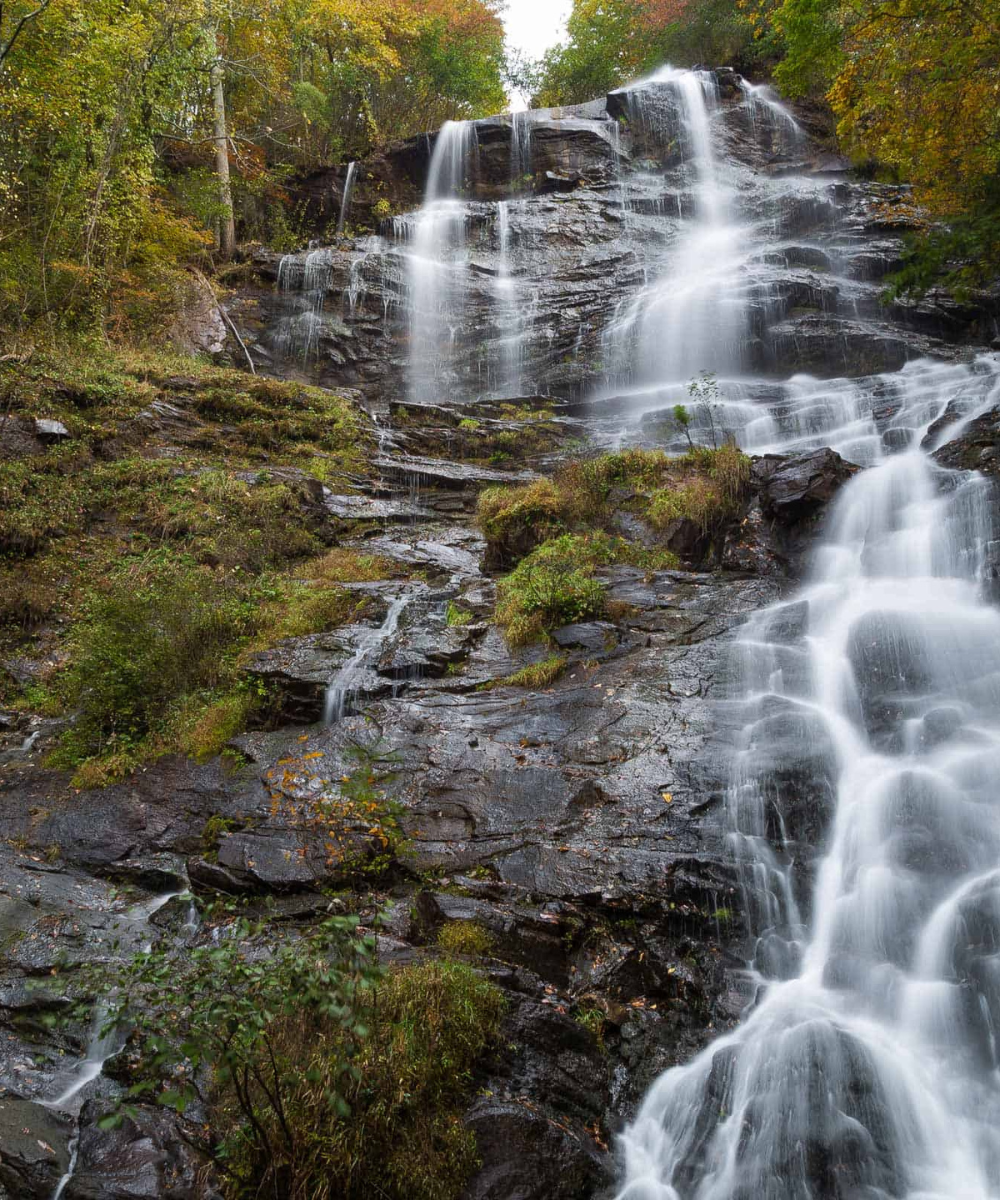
(227, 226)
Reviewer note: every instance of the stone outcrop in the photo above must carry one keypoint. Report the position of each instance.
(598, 194)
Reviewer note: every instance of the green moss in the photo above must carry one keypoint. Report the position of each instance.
(467, 938)
(458, 616)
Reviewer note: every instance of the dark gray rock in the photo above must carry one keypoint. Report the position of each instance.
(34, 1147)
(797, 488)
(150, 1156)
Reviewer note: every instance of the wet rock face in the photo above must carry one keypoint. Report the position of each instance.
(796, 488)
(792, 498)
(595, 197)
(579, 826)
(35, 1145)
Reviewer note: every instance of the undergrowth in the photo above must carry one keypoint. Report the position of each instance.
(170, 534)
(557, 533)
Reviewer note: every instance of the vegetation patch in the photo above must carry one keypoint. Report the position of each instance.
(706, 486)
(458, 616)
(560, 531)
(465, 939)
(331, 1078)
(535, 676)
(148, 562)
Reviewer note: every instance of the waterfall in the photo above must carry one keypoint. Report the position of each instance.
(345, 199)
(867, 711)
(303, 281)
(348, 681)
(510, 311)
(436, 265)
(691, 318)
(520, 149)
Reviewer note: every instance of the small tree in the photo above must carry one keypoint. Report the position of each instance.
(223, 1009)
(704, 392)
(683, 419)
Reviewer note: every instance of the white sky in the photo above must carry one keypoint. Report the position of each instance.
(533, 26)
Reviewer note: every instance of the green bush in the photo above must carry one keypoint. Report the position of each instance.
(516, 519)
(156, 633)
(464, 937)
(333, 1080)
(547, 589)
(429, 1024)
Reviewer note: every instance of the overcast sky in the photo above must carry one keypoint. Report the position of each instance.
(534, 25)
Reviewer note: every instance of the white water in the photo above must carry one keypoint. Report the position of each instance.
(868, 716)
(303, 281)
(511, 311)
(437, 267)
(104, 1043)
(520, 148)
(347, 682)
(345, 199)
(690, 318)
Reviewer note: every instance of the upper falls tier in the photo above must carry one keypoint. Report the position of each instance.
(537, 261)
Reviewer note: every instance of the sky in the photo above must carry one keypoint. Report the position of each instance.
(533, 26)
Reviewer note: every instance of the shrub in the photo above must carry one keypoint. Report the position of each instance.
(516, 519)
(713, 495)
(555, 586)
(547, 589)
(332, 1079)
(406, 1140)
(155, 633)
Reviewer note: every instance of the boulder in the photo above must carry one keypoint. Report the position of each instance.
(793, 489)
(34, 1147)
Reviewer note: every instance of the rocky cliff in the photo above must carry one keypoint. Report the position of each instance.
(580, 823)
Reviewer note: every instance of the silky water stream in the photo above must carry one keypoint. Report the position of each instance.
(863, 804)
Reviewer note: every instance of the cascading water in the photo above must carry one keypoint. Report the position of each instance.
(868, 708)
(303, 281)
(520, 149)
(105, 1043)
(345, 199)
(348, 681)
(436, 262)
(510, 309)
(691, 318)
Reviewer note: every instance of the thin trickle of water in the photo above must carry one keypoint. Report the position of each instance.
(103, 1043)
(346, 684)
(512, 311)
(345, 199)
(520, 149)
